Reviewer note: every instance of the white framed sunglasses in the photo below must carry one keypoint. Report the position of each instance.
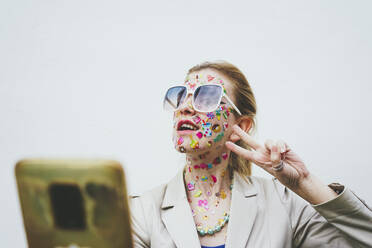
(205, 98)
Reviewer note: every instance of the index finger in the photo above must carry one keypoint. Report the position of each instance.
(246, 138)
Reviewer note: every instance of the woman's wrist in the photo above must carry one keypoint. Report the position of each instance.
(314, 191)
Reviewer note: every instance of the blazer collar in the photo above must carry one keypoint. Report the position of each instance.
(175, 191)
(243, 211)
(177, 217)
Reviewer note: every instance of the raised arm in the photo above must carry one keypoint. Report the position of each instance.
(319, 215)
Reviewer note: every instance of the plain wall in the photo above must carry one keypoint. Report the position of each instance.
(87, 78)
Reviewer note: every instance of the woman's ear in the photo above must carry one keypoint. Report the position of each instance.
(245, 123)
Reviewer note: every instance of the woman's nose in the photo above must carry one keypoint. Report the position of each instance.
(187, 108)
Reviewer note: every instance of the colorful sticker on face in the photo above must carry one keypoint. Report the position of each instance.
(209, 166)
(219, 137)
(225, 126)
(196, 166)
(223, 194)
(190, 85)
(194, 143)
(191, 186)
(200, 209)
(214, 178)
(216, 128)
(198, 193)
(196, 119)
(209, 143)
(182, 149)
(180, 141)
(209, 78)
(199, 135)
(203, 203)
(217, 161)
(204, 178)
(203, 166)
(210, 115)
(218, 114)
(207, 129)
(224, 156)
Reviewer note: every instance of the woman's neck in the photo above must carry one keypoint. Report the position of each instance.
(208, 172)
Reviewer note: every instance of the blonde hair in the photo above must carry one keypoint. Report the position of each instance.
(244, 100)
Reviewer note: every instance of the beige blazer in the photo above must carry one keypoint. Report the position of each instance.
(263, 213)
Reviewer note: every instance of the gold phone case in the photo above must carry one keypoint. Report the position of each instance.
(74, 203)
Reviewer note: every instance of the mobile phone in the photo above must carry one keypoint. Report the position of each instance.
(74, 203)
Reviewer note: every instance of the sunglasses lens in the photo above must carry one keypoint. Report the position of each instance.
(174, 97)
(207, 97)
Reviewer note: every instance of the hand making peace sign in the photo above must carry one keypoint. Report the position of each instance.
(275, 157)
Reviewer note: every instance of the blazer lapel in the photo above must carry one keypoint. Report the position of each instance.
(176, 214)
(243, 212)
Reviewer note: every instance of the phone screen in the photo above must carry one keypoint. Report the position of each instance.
(68, 206)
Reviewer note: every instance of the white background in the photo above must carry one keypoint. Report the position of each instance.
(86, 79)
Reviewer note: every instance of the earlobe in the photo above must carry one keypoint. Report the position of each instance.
(245, 124)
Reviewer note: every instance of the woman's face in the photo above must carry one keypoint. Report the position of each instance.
(197, 132)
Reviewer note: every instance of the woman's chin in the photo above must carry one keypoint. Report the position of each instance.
(201, 148)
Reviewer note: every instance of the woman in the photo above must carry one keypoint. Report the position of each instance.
(215, 202)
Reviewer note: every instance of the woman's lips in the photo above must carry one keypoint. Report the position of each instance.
(188, 123)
